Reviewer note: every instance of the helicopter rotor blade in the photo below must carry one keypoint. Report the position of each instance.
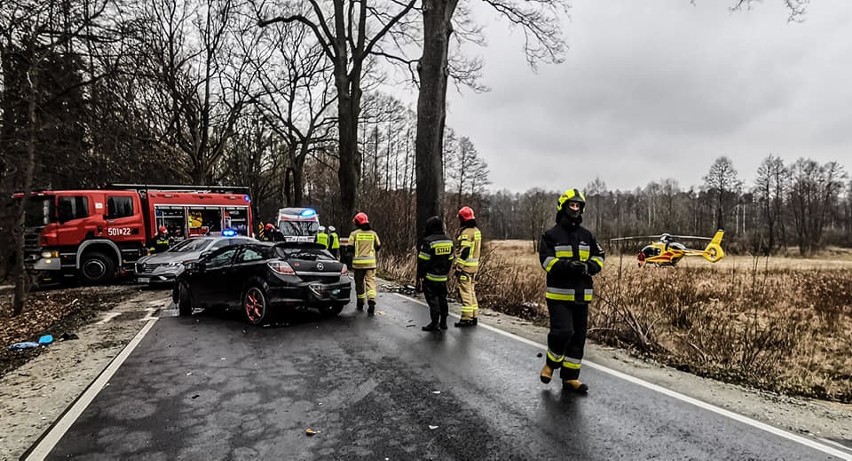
(690, 237)
(634, 237)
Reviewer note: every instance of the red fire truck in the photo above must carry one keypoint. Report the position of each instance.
(97, 234)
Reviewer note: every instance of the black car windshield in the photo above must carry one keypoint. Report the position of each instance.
(194, 245)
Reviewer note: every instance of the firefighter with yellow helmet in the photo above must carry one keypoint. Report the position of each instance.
(365, 242)
(468, 244)
(570, 255)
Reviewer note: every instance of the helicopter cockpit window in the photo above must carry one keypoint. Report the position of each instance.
(650, 251)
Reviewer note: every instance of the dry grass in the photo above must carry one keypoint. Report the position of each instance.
(782, 324)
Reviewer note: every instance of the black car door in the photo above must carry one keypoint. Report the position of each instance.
(210, 286)
(250, 262)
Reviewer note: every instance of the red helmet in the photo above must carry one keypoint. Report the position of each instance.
(163, 230)
(466, 214)
(360, 219)
(269, 226)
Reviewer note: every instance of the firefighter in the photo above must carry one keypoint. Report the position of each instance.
(261, 231)
(466, 265)
(162, 242)
(267, 234)
(433, 265)
(322, 237)
(365, 243)
(570, 255)
(333, 242)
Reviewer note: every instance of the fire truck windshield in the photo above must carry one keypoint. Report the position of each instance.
(40, 211)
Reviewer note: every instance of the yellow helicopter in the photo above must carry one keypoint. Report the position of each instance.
(667, 252)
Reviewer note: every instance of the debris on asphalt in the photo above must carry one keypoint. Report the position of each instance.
(310, 432)
(539, 355)
(436, 392)
(432, 427)
(44, 340)
(23, 345)
(195, 396)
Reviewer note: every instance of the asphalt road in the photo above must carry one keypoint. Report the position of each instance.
(212, 387)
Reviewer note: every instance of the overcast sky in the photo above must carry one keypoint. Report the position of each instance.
(658, 89)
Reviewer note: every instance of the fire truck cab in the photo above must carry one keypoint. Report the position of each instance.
(97, 234)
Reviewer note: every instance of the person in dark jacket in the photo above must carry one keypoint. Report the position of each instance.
(570, 255)
(433, 266)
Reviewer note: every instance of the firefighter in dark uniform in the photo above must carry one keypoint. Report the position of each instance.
(333, 242)
(433, 266)
(570, 255)
(162, 242)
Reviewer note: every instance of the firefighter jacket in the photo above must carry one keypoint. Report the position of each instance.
(161, 244)
(435, 258)
(469, 241)
(365, 244)
(559, 247)
(334, 241)
(322, 239)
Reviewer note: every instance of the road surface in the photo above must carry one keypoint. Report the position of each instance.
(212, 387)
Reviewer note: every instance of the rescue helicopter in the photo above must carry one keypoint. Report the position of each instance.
(667, 252)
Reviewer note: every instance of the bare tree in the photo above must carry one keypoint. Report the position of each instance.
(539, 22)
(723, 186)
(814, 192)
(349, 35)
(770, 189)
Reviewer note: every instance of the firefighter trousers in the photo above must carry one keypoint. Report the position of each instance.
(365, 284)
(436, 296)
(467, 295)
(567, 337)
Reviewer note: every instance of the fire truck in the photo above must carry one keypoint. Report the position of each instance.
(98, 234)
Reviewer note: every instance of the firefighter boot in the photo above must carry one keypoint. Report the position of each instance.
(546, 374)
(443, 323)
(360, 305)
(433, 325)
(464, 323)
(371, 309)
(574, 385)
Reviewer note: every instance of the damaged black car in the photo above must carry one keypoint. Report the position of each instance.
(261, 279)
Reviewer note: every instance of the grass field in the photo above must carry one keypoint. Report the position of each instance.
(780, 323)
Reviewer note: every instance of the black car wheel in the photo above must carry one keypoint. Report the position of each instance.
(331, 310)
(255, 305)
(184, 300)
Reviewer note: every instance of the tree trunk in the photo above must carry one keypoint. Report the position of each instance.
(349, 171)
(21, 280)
(431, 108)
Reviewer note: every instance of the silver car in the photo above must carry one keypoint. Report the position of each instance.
(164, 267)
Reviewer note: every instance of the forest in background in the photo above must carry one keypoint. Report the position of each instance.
(212, 93)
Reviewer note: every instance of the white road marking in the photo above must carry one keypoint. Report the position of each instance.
(109, 317)
(49, 441)
(721, 411)
(148, 312)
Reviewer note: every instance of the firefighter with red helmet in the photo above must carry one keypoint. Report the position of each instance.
(162, 242)
(466, 265)
(365, 243)
(570, 255)
(268, 233)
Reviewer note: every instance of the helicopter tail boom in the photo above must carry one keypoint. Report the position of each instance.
(713, 252)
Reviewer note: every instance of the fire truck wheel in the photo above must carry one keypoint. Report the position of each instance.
(96, 268)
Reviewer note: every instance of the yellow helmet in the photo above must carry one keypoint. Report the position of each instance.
(571, 195)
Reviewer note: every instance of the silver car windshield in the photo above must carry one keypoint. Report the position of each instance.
(193, 245)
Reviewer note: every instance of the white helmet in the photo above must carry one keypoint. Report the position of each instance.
(332, 229)
(322, 228)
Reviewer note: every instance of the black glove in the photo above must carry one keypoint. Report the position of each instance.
(579, 267)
